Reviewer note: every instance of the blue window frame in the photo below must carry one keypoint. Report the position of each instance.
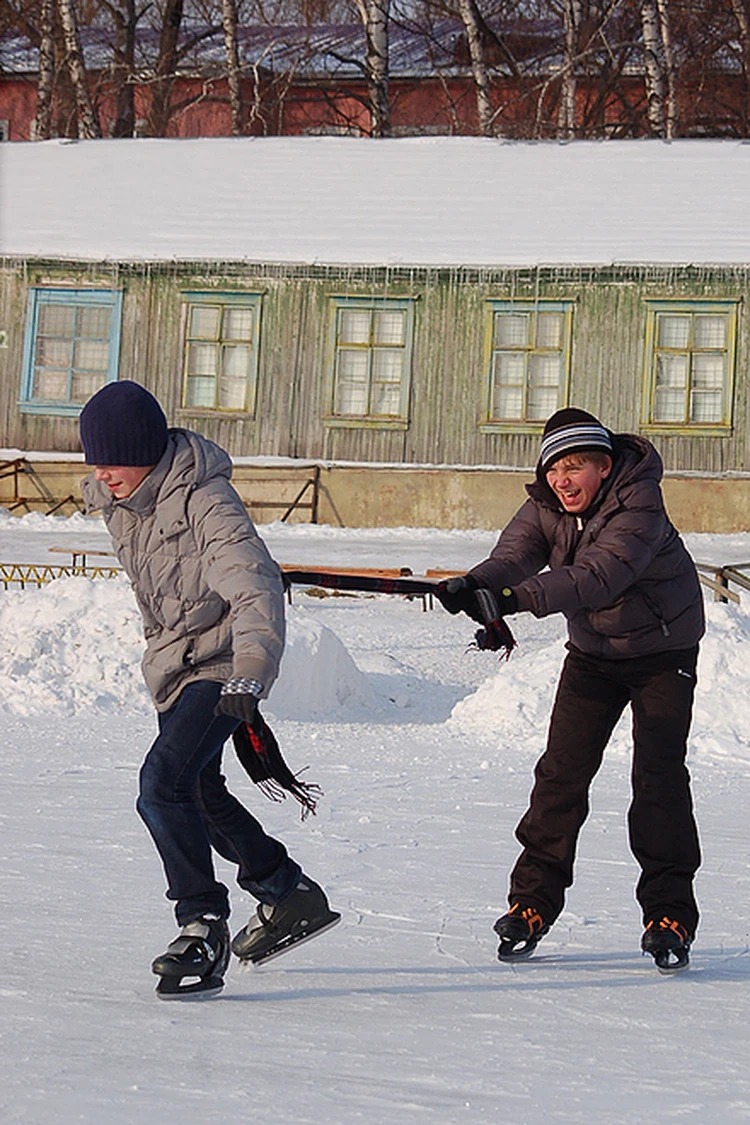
(71, 348)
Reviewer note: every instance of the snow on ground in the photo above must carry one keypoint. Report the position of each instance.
(402, 1014)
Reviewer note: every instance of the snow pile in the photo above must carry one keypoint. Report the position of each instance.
(513, 705)
(76, 644)
(318, 678)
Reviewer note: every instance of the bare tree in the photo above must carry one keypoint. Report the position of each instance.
(231, 49)
(45, 88)
(374, 15)
(88, 122)
(475, 44)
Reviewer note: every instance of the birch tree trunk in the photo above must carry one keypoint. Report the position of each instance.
(671, 121)
(43, 120)
(88, 123)
(374, 15)
(231, 48)
(470, 21)
(654, 68)
(566, 116)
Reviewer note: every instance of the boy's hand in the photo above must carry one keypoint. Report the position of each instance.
(239, 698)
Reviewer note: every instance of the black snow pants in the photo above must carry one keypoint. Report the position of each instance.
(591, 696)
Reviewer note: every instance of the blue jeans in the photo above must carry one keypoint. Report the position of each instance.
(188, 809)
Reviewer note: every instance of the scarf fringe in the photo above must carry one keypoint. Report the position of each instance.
(259, 755)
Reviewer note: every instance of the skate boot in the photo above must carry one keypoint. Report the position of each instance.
(273, 930)
(199, 955)
(668, 942)
(519, 931)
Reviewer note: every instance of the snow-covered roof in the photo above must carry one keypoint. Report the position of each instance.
(446, 201)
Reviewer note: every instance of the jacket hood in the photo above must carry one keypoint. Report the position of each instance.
(188, 461)
(634, 458)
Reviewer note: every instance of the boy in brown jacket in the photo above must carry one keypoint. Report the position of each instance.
(211, 598)
(594, 542)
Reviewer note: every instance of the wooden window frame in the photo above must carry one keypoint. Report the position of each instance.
(41, 296)
(688, 307)
(222, 300)
(492, 425)
(398, 421)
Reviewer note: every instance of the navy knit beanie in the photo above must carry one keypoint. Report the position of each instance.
(123, 424)
(572, 431)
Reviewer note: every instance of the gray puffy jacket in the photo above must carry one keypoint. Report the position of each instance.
(210, 594)
(619, 573)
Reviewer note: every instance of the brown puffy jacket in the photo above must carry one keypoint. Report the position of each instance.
(210, 595)
(619, 573)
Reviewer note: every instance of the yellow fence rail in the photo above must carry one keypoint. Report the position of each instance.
(29, 574)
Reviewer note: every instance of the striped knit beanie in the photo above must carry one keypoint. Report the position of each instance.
(572, 431)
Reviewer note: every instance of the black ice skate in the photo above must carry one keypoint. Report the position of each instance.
(668, 943)
(520, 931)
(195, 962)
(274, 930)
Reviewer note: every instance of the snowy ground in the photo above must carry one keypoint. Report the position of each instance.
(401, 1014)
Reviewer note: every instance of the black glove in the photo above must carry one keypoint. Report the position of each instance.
(458, 595)
(239, 698)
(464, 595)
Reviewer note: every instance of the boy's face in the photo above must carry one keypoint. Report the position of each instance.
(122, 480)
(575, 480)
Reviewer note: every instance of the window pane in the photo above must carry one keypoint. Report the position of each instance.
(543, 401)
(232, 393)
(351, 388)
(91, 355)
(387, 366)
(236, 360)
(669, 405)
(388, 327)
(354, 326)
(710, 331)
(512, 330)
(84, 386)
(674, 331)
(705, 406)
(708, 372)
(52, 353)
(202, 359)
(204, 321)
(56, 320)
(549, 330)
(507, 402)
(671, 371)
(545, 370)
(386, 399)
(200, 392)
(51, 385)
(238, 324)
(510, 368)
(93, 323)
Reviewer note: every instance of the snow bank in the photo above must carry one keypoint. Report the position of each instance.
(513, 705)
(76, 645)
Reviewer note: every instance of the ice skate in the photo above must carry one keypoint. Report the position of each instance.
(274, 930)
(198, 955)
(668, 942)
(520, 931)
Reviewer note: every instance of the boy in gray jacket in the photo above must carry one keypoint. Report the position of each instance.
(211, 598)
(594, 543)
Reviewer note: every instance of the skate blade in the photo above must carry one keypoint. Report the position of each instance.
(288, 944)
(521, 952)
(171, 988)
(671, 968)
